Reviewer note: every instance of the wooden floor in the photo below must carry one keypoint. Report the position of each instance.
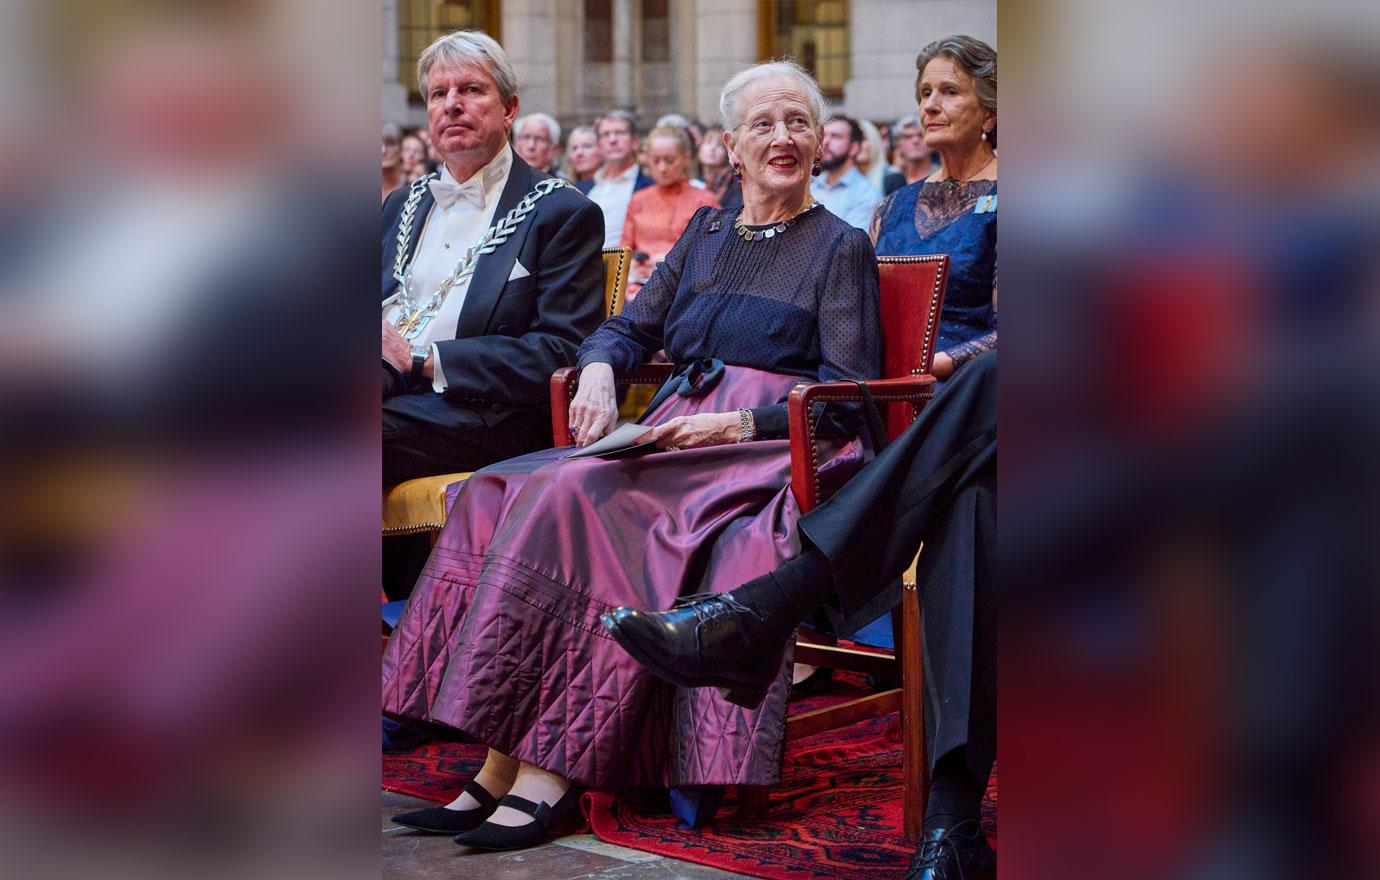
(408, 855)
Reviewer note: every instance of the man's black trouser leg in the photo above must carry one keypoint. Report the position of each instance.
(957, 582)
(412, 449)
(935, 484)
(870, 529)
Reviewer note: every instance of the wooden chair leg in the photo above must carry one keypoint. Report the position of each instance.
(915, 770)
(753, 801)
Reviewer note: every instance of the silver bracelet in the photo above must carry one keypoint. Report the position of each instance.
(747, 427)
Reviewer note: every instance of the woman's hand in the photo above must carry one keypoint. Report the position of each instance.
(704, 429)
(943, 366)
(594, 410)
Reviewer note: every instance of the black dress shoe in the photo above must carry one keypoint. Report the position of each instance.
(700, 642)
(503, 837)
(441, 820)
(957, 853)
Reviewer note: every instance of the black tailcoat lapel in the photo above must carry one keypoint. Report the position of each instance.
(492, 272)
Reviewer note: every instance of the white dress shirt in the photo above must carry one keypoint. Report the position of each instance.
(449, 231)
(612, 195)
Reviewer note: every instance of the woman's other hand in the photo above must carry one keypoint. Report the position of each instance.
(594, 410)
(943, 366)
(704, 429)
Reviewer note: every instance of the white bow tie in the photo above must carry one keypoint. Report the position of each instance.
(448, 193)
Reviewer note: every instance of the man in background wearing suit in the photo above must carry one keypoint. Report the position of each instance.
(619, 177)
(470, 339)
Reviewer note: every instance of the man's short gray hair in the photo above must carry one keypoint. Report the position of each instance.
(469, 47)
(732, 93)
(553, 128)
(616, 116)
(905, 122)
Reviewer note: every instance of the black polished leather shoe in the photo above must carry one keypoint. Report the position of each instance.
(958, 853)
(700, 642)
(442, 820)
(504, 837)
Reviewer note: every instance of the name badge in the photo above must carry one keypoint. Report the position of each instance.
(986, 205)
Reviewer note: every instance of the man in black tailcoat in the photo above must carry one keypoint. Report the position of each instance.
(470, 344)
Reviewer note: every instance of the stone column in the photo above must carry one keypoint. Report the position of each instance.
(530, 39)
(685, 56)
(624, 54)
(726, 42)
(888, 34)
(395, 107)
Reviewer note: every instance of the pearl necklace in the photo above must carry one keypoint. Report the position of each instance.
(770, 232)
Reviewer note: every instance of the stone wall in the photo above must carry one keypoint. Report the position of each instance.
(714, 39)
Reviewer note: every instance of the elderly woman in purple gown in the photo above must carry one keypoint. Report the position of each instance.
(501, 638)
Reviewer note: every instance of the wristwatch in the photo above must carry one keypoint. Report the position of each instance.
(419, 356)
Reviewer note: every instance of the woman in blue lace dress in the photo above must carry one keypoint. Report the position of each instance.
(954, 210)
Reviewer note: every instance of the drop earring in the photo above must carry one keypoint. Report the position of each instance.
(737, 172)
(816, 169)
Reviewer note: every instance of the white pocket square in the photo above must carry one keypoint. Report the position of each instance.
(519, 271)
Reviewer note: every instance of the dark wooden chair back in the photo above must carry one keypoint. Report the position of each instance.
(912, 296)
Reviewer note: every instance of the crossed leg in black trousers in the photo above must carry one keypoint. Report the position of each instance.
(935, 484)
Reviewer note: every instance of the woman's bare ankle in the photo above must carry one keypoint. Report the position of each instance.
(536, 785)
(496, 777)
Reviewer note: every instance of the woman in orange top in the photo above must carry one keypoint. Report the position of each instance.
(657, 215)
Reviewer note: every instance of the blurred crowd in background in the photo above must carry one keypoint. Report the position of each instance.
(889, 154)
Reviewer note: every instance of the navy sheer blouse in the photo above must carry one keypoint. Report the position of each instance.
(804, 302)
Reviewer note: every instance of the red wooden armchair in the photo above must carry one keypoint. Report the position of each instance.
(912, 293)
(912, 297)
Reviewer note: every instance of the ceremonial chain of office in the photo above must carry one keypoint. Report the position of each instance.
(412, 318)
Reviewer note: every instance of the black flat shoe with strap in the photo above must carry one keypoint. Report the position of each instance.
(504, 837)
(442, 820)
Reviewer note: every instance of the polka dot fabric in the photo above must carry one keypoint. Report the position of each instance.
(804, 302)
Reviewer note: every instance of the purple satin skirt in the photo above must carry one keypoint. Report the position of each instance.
(501, 637)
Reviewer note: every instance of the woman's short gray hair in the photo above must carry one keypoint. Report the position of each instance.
(731, 96)
(469, 47)
(977, 59)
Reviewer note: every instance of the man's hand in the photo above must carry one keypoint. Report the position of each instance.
(594, 410)
(704, 429)
(396, 350)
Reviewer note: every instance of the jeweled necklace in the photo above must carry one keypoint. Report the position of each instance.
(771, 231)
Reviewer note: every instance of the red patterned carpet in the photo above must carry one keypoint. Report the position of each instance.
(835, 816)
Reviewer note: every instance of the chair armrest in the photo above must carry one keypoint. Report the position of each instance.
(566, 380)
(915, 390)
